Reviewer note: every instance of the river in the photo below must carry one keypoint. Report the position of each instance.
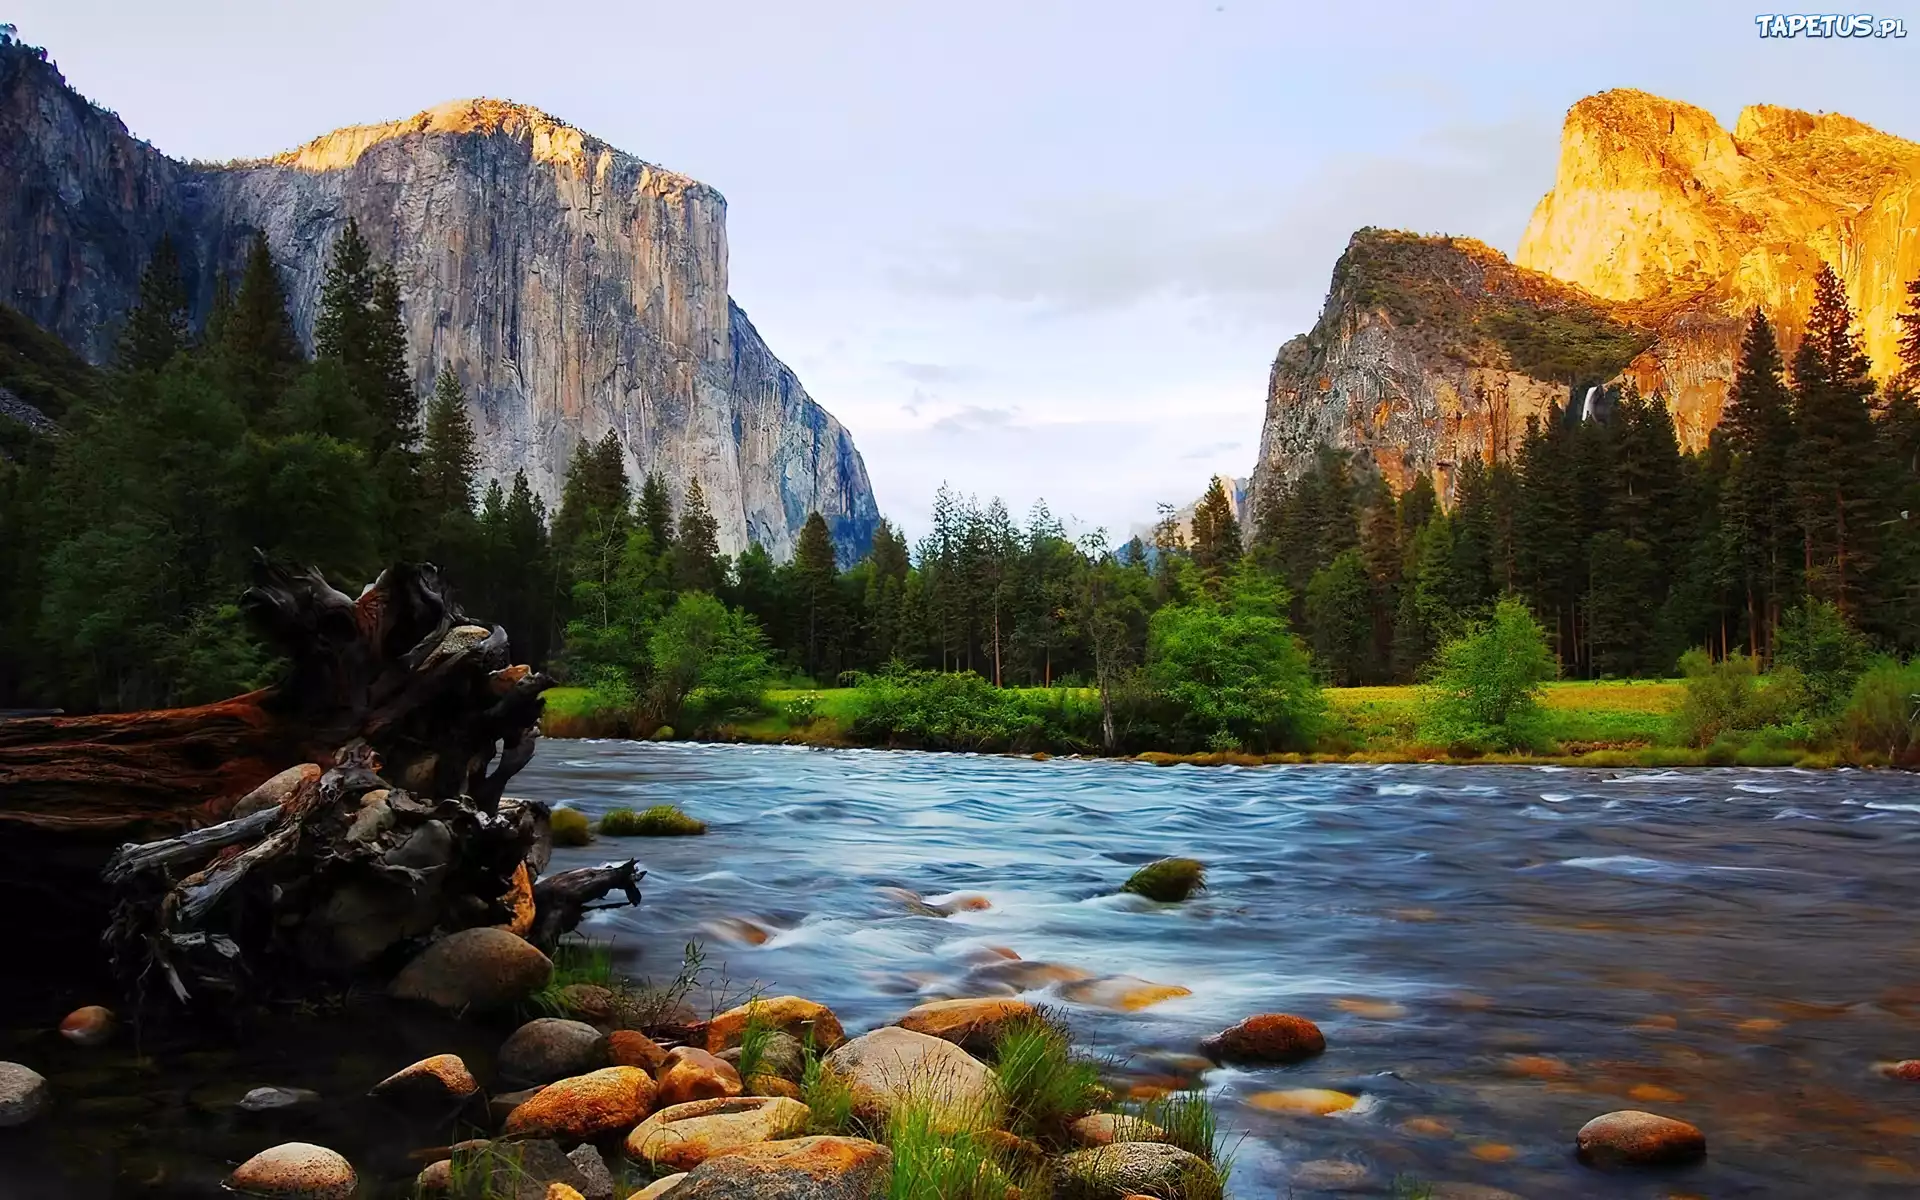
(1495, 954)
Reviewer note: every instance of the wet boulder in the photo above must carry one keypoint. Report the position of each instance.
(593, 1169)
(295, 1171)
(1267, 1038)
(1122, 993)
(431, 1086)
(891, 1067)
(91, 1025)
(551, 1048)
(803, 1019)
(1631, 1138)
(584, 1107)
(23, 1094)
(973, 1025)
(1128, 1168)
(689, 1074)
(474, 969)
(684, 1136)
(810, 1168)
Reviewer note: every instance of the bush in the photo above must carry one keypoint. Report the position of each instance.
(1727, 696)
(1816, 641)
(1168, 881)
(1484, 686)
(662, 820)
(937, 710)
(1883, 714)
(569, 827)
(708, 660)
(1226, 673)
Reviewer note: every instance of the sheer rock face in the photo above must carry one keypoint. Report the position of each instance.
(1662, 231)
(572, 287)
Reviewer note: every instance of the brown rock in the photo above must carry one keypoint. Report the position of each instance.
(792, 1015)
(432, 1084)
(810, 1168)
(435, 1178)
(500, 1105)
(1013, 976)
(590, 1002)
(551, 1048)
(684, 1136)
(23, 1094)
(584, 1107)
(631, 1048)
(515, 1170)
(295, 1171)
(689, 1074)
(1631, 1138)
(771, 1085)
(972, 1025)
(1104, 1129)
(475, 968)
(1128, 1167)
(88, 1026)
(893, 1066)
(1267, 1038)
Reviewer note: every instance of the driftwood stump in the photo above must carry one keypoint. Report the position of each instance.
(321, 829)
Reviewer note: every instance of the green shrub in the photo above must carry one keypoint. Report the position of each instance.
(1044, 1085)
(1816, 641)
(1226, 673)
(570, 827)
(662, 820)
(663, 734)
(708, 661)
(1728, 696)
(1883, 714)
(1484, 686)
(1169, 880)
(960, 710)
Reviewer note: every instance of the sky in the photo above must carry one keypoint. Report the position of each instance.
(1038, 249)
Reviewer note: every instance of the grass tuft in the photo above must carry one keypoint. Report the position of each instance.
(1168, 881)
(662, 820)
(570, 827)
(829, 1101)
(931, 1165)
(1043, 1084)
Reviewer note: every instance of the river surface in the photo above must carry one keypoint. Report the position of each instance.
(1495, 954)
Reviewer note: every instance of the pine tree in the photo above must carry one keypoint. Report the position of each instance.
(359, 326)
(1832, 390)
(1756, 504)
(449, 459)
(656, 512)
(527, 608)
(1909, 321)
(156, 328)
(257, 350)
(346, 296)
(1216, 532)
(392, 400)
(816, 571)
(696, 544)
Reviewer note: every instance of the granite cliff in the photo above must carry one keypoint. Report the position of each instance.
(573, 287)
(1661, 232)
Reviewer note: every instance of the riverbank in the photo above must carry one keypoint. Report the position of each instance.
(1609, 723)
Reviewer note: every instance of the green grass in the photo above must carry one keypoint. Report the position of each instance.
(1044, 1084)
(1168, 881)
(662, 820)
(584, 712)
(1188, 1121)
(931, 1165)
(829, 1102)
(576, 960)
(570, 827)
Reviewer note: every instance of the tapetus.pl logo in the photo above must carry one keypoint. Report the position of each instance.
(1829, 25)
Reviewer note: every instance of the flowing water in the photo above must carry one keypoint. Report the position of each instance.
(1496, 955)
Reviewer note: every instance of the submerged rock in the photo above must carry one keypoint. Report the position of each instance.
(892, 1066)
(1267, 1038)
(295, 1171)
(1122, 993)
(551, 1048)
(1169, 880)
(684, 1136)
(475, 968)
(1631, 1138)
(1303, 1102)
(803, 1019)
(23, 1094)
(88, 1026)
(585, 1106)
(810, 1168)
(275, 1099)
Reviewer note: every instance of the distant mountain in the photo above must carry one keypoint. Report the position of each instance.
(573, 287)
(1661, 232)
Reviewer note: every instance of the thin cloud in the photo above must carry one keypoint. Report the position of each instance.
(974, 418)
(933, 373)
(1212, 449)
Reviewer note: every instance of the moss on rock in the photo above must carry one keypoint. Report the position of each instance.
(1169, 881)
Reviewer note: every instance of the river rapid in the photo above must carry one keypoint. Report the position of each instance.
(1495, 954)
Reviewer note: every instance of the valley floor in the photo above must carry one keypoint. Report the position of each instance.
(1611, 723)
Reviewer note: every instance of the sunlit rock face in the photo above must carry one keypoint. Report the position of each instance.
(572, 287)
(1662, 231)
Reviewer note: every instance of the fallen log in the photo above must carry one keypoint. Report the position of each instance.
(322, 829)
